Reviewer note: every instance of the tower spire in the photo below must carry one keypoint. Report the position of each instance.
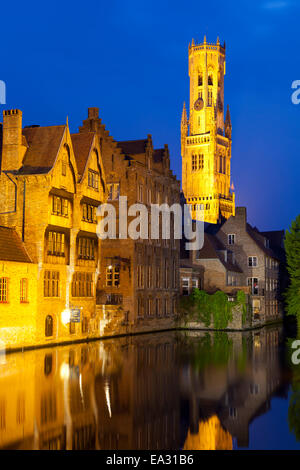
(228, 126)
(184, 115)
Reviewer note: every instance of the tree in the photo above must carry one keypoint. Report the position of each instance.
(292, 248)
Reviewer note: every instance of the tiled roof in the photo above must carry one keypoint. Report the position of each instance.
(82, 143)
(11, 246)
(43, 145)
(133, 147)
(210, 250)
(258, 238)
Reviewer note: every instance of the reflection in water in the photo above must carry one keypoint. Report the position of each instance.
(173, 390)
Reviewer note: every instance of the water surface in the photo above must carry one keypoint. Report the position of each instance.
(173, 390)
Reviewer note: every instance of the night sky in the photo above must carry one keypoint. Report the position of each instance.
(131, 60)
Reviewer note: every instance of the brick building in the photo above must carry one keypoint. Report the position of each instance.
(259, 264)
(139, 279)
(51, 183)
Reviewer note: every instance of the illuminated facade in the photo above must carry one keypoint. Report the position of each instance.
(205, 137)
(139, 280)
(51, 183)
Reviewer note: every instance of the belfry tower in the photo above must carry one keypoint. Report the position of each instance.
(205, 137)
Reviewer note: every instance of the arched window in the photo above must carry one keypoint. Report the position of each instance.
(200, 81)
(49, 326)
(210, 79)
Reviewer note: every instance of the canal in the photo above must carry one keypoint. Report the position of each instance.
(169, 390)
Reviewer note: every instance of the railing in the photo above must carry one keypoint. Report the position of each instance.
(108, 299)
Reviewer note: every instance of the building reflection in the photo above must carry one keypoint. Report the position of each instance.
(235, 393)
(161, 391)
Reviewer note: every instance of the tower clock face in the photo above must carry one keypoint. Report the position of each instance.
(198, 105)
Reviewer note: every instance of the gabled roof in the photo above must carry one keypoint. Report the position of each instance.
(12, 247)
(43, 145)
(133, 147)
(211, 250)
(82, 143)
(258, 237)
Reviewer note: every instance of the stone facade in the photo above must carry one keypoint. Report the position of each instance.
(259, 265)
(206, 138)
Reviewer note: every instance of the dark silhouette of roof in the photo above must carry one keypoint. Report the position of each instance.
(12, 247)
(133, 147)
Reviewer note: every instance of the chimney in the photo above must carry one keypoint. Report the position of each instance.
(12, 148)
(93, 113)
(241, 214)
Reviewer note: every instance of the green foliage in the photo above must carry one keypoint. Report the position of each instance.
(292, 248)
(212, 310)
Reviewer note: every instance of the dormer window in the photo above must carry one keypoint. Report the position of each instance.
(267, 243)
(93, 179)
(231, 239)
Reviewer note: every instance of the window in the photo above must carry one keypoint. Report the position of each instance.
(210, 80)
(149, 277)
(51, 284)
(140, 307)
(157, 307)
(140, 193)
(140, 275)
(93, 179)
(185, 283)
(232, 413)
(60, 206)
(56, 244)
(231, 239)
(252, 261)
(3, 289)
(157, 277)
(89, 213)
(113, 191)
(267, 243)
(201, 161)
(195, 283)
(194, 162)
(253, 283)
(166, 274)
(49, 326)
(113, 276)
(86, 248)
(200, 81)
(24, 290)
(85, 325)
(232, 281)
(82, 285)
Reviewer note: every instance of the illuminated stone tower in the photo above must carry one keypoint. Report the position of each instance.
(205, 137)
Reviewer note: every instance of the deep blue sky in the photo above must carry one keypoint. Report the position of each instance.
(130, 59)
